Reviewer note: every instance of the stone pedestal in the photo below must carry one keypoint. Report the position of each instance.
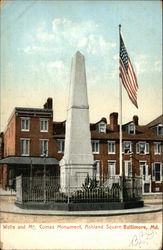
(77, 162)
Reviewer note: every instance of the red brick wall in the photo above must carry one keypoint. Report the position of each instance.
(57, 155)
(9, 138)
(103, 156)
(155, 158)
(4, 176)
(35, 135)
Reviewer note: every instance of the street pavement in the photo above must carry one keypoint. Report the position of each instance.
(150, 213)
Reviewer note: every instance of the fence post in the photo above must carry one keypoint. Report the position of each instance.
(31, 174)
(133, 187)
(44, 178)
(69, 182)
(121, 191)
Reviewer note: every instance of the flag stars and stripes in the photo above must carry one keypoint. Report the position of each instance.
(127, 74)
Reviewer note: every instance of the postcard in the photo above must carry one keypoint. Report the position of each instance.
(81, 132)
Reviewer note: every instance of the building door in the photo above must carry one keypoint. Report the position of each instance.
(111, 168)
(128, 168)
(96, 172)
(11, 178)
(143, 169)
(144, 174)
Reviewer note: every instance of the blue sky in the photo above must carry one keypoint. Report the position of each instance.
(39, 38)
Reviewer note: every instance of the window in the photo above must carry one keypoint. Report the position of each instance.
(44, 147)
(127, 147)
(157, 171)
(95, 147)
(143, 169)
(160, 129)
(111, 168)
(157, 148)
(25, 123)
(111, 147)
(97, 170)
(25, 147)
(142, 148)
(102, 127)
(128, 168)
(61, 146)
(43, 125)
(131, 129)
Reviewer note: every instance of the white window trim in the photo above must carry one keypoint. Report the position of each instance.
(157, 153)
(131, 124)
(43, 130)
(25, 139)
(159, 125)
(25, 118)
(146, 167)
(161, 170)
(114, 161)
(102, 123)
(96, 141)
(145, 150)
(131, 151)
(47, 148)
(97, 170)
(61, 140)
(126, 166)
(112, 153)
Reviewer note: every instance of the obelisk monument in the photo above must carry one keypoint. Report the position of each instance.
(77, 161)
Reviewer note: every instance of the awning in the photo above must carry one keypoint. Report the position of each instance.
(30, 160)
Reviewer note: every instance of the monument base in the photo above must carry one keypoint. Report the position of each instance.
(72, 176)
(105, 206)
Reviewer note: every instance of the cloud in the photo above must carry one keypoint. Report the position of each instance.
(44, 36)
(157, 66)
(56, 71)
(98, 46)
(70, 29)
(83, 42)
(145, 64)
(83, 35)
(34, 48)
(116, 57)
(56, 64)
(66, 35)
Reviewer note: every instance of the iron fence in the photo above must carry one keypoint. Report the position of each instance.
(48, 189)
(132, 188)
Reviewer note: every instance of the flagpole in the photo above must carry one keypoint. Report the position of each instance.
(120, 127)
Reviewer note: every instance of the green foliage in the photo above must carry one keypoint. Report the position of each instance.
(92, 192)
(90, 184)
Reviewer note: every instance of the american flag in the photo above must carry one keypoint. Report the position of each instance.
(127, 74)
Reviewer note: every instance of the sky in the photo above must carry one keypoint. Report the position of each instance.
(39, 39)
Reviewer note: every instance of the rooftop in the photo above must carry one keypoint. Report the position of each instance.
(158, 120)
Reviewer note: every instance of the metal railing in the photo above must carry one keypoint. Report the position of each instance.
(47, 189)
(132, 188)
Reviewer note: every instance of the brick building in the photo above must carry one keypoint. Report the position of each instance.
(142, 149)
(32, 140)
(28, 144)
(1, 153)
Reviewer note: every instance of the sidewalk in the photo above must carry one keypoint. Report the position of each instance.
(8, 206)
(7, 192)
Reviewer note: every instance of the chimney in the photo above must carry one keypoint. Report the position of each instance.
(136, 120)
(114, 121)
(49, 104)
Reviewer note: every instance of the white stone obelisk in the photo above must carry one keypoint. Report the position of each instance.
(77, 161)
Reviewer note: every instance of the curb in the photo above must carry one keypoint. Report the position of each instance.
(145, 209)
